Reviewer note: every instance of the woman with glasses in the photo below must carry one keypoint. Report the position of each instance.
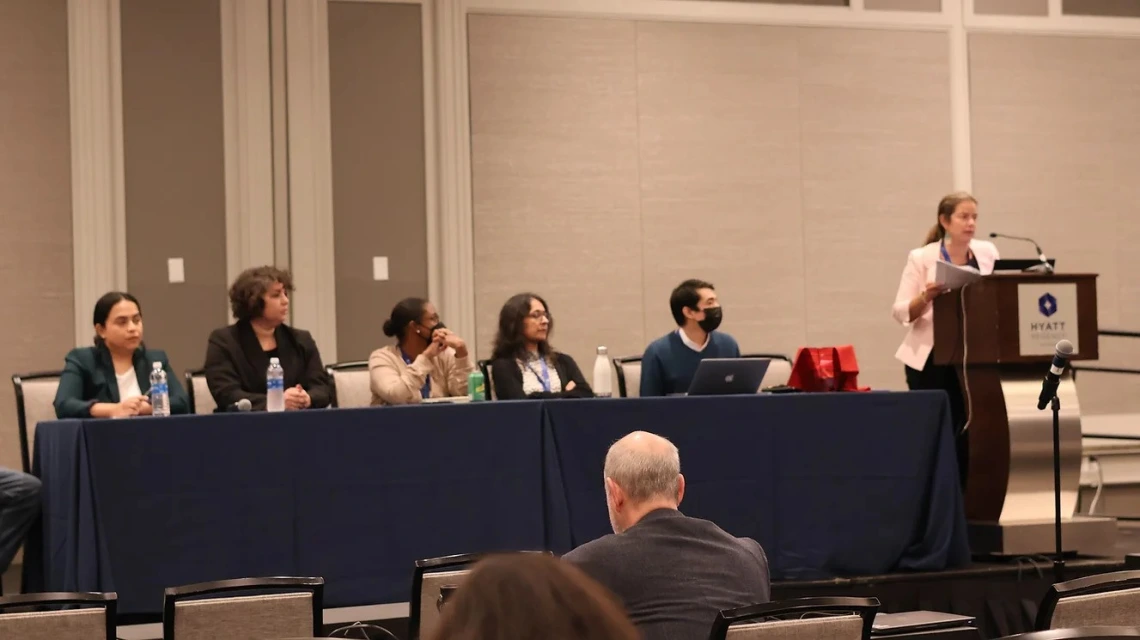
(524, 364)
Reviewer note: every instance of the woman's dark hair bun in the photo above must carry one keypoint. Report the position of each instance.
(389, 330)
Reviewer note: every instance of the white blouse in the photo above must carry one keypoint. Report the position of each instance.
(532, 376)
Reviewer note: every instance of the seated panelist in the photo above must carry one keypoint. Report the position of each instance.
(427, 361)
(112, 378)
(524, 364)
(237, 356)
(669, 362)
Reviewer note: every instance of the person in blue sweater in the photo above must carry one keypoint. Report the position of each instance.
(669, 362)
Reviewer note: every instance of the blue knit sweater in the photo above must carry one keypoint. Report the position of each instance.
(668, 364)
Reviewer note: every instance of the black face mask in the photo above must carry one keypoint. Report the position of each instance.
(713, 316)
(430, 332)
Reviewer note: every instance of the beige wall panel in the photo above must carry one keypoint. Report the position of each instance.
(554, 169)
(1056, 150)
(174, 169)
(876, 160)
(930, 6)
(1012, 7)
(35, 199)
(720, 175)
(1128, 8)
(377, 103)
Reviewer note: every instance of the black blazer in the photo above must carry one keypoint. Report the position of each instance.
(509, 384)
(89, 377)
(675, 573)
(236, 364)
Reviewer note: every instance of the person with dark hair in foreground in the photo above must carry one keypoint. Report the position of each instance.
(427, 361)
(110, 379)
(669, 362)
(673, 573)
(530, 596)
(237, 356)
(524, 364)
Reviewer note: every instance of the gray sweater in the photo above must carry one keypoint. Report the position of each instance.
(675, 573)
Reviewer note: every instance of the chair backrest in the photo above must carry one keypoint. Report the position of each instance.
(352, 383)
(826, 618)
(201, 400)
(779, 369)
(428, 577)
(1083, 633)
(96, 620)
(628, 371)
(488, 382)
(1104, 599)
(35, 403)
(282, 607)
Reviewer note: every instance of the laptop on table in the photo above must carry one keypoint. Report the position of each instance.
(728, 376)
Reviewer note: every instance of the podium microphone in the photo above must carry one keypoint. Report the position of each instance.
(1053, 378)
(1037, 247)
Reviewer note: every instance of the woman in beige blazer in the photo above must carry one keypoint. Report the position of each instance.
(427, 361)
(950, 240)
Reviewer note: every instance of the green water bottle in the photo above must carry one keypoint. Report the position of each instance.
(476, 390)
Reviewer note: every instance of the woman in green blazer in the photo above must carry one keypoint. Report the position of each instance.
(111, 379)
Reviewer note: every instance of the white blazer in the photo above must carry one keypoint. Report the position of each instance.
(919, 271)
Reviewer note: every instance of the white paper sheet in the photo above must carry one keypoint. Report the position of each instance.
(955, 277)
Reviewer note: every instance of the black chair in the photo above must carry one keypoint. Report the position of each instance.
(281, 607)
(800, 618)
(1085, 633)
(352, 385)
(94, 618)
(628, 371)
(35, 403)
(488, 383)
(201, 400)
(1103, 599)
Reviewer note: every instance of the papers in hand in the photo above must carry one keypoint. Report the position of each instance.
(955, 277)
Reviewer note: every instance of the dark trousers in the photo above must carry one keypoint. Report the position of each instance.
(945, 378)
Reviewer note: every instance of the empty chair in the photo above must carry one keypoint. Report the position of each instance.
(280, 608)
(95, 619)
(779, 369)
(35, 398)
(628, 376)
(800, 619)
(201, 400)
(1104, 599)
(351, 383)
(428, 579)
(1085, 633)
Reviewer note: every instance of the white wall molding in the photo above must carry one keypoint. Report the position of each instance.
(456, 254)
(961, 152)
(246, 96)
(98, 213)
(431, 152)
(310, 171)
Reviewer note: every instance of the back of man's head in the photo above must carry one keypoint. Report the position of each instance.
(646, 467)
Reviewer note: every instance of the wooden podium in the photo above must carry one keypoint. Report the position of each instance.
(1000, 333)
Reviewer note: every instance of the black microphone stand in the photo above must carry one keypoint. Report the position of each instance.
(1059, 559)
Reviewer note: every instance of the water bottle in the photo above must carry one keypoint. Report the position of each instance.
(603, 383)
(159, 391)
(274, 386)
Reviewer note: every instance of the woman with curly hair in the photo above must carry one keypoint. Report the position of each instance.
(237, 356)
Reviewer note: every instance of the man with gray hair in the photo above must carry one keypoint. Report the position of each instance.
(672, 572)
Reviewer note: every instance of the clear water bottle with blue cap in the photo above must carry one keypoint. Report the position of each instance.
(159, 391)
(274, 386)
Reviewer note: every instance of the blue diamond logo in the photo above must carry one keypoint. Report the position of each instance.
(1047, 304)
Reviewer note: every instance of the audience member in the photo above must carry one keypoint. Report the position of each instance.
(674, 573)
(19, 507)
(427, 361)
(237, 356)
(669, 362)
(524, 364)
(112, 378)
(527, 596)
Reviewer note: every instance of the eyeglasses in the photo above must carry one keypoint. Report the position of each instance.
(538, 315)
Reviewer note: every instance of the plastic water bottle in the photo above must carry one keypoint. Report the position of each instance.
(159, 391)
(274, 386)
(603, 383)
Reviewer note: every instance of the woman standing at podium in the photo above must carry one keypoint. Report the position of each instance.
(951, 239)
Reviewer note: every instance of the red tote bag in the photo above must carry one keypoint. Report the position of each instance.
(821, 369)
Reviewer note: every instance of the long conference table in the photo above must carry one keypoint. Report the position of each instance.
(838, 484)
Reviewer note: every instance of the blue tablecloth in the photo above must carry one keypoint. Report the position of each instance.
(829, 484)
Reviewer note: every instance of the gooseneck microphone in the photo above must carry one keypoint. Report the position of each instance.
(1053, 378)
(1040, 254)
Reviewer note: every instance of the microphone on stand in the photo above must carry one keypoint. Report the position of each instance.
(1053, 378)
(240, 406)
(1040, 254)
